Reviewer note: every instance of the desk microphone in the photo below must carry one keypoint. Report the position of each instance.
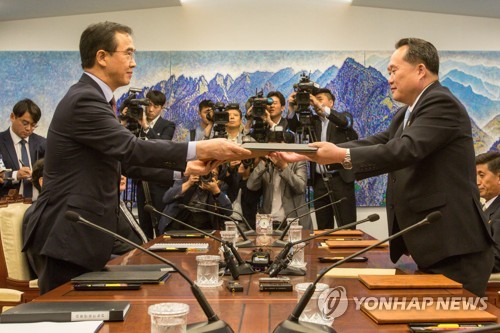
(278, 229)
(292, 325)
(245, 243)
(226, 246)
(249, 232)
(214, 324)
(281, 261)
(281, 243)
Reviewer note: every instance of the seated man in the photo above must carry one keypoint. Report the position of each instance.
(188, 191)
(284, 186)
(488, 183)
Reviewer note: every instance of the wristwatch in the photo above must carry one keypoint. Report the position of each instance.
(346, 163)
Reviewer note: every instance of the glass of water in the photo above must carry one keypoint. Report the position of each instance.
(313, 312)
(168, 317)
(207, 272)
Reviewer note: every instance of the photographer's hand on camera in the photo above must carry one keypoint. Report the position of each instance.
(318, 106)
(144, 123)
(212, 186)
(192, 180)
(292, 105)
(278, 162)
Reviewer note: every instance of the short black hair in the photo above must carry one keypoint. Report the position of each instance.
(491, 159)
(156, 97)
(234, 106)
(99, 36)
(206, 103)
(279, 95)
(327, 92)
(420, 51)
(27, 105)
(37, 173)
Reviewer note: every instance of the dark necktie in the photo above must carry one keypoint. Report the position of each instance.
(112, 102)
(27, 187)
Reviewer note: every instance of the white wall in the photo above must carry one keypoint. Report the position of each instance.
(264, 25)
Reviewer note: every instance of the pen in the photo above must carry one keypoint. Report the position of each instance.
(22, 164)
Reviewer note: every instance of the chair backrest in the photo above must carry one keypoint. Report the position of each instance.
(11, 220)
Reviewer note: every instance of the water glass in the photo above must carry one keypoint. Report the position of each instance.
(298, 256)
(207, 272)
(229, 236)
(312, 312)
(168, 317)
(231, 226)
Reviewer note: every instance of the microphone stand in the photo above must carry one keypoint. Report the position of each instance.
(282, 259)
(249, 232)
(244, 268)
(281, 243)
(214, 324)
(292, 325)
(225, 245)
(243, 244)
(278, 230)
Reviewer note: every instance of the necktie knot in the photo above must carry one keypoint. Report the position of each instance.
(23, 142)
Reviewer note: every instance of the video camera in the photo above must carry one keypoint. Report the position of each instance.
(259, 104)
(220, 117)
(135, 110)
(304, 89)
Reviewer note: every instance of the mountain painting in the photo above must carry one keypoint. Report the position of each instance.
(357, 78)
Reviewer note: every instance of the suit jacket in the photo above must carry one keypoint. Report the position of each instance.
(163, 129)
(292, 188)
(10, 159)
(85, 145)
(431, 166)
(493, 217)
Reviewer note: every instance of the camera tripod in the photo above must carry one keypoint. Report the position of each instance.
(306, 134)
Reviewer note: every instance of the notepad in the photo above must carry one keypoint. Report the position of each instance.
(341, 233)
(355, 272)
(163, 246)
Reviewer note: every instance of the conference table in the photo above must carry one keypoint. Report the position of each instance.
(252, 311)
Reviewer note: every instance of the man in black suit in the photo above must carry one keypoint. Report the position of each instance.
(153, 126)
(488, 183)
(86, 144)
(335, 127)
(20, 148)
(428, 152)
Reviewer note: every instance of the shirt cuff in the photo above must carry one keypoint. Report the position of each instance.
(191, 153)
(14, 177)
(177, 175)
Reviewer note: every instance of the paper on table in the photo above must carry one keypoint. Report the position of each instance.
(50, 327)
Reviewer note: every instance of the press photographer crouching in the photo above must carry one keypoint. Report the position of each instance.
(203, 189)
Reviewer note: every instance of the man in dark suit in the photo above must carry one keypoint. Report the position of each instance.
(335, 127)
(488, 183)
(86, 144)
(20, 148)
(153, 127)
(428, 152)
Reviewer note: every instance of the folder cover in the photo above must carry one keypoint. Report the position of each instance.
(353, 243)
(66, 311)
(122, 277)
(418, 281)
(347, 232)
(421, 313)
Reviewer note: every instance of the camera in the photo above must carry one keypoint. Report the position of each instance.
(259, 105)
(304, 89)
(135, 110)
(248, 163)
(220, 117)
(204, 179)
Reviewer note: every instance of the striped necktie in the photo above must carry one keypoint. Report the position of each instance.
(27, 186)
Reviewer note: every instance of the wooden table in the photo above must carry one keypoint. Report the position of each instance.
(252, 310)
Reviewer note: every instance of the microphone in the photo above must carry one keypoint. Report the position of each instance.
(292, 325)
(249, 232)
(280, 242)
(243, 267)
(280, 262)
(214, 324)
(278, 229)
(243, 244)
(225, 245)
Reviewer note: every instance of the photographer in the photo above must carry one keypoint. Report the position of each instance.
(192, 189)
(204, 129)
(332, 126)
(153, 127)
(234, 126)
(283, 185)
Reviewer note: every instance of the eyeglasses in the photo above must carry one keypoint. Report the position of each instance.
(130, 54)
(28, 124)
